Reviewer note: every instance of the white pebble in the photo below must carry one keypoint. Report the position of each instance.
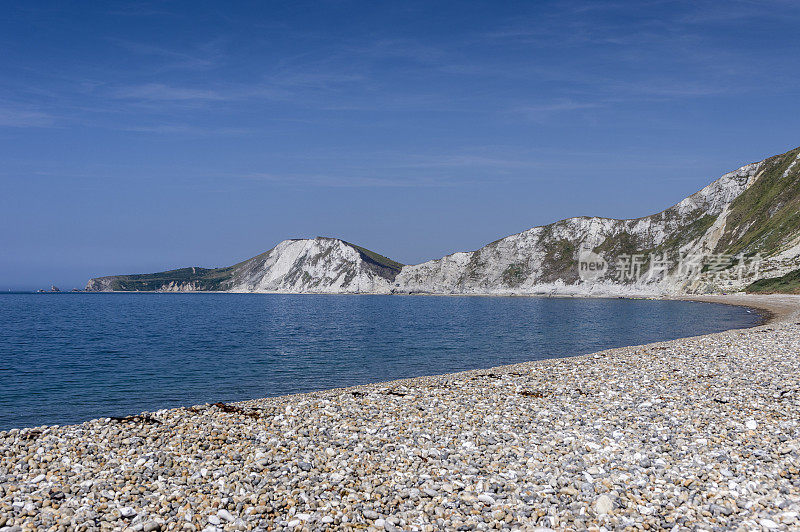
(603, 505)
(485, 498)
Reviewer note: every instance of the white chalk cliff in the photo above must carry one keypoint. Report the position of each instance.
(748, 215)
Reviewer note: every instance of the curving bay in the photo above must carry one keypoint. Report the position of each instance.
(67, 358)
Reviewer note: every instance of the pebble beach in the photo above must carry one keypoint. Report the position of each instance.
(696, 433)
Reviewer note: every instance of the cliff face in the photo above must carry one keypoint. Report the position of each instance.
(319, 265)
(742, 227)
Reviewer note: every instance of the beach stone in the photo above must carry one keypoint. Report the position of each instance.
(487, 499)
(603, 505)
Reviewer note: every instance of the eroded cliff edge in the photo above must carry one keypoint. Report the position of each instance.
(742, 227)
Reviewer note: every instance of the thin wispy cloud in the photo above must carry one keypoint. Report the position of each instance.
(163, 92)
(349, 181)
(20, 117)
(313, 79)
(207, 56)
(383, 49)
(737, 11)
(465, 161)
(669, 90)
(184, 130)
(542, 112)
(308, 88)
(143, 9)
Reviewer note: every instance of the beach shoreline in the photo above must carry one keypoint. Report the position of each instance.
(775, 309)
(607, 439)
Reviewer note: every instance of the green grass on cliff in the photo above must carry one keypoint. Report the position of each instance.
(380, 259)
(788, 284)
(768, 213)
(204, 278)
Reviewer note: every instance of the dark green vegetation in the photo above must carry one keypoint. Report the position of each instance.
(515, 274)
(198, 278)
(788, 284)
(379, 260)
(625, 244)
(762, 219)
(691, 232)
(764, 215)
(622, 244)
(474, 267)
(559, 261)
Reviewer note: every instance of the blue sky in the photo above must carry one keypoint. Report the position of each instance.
(140, 136)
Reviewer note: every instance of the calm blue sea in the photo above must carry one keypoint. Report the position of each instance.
(67, 358)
